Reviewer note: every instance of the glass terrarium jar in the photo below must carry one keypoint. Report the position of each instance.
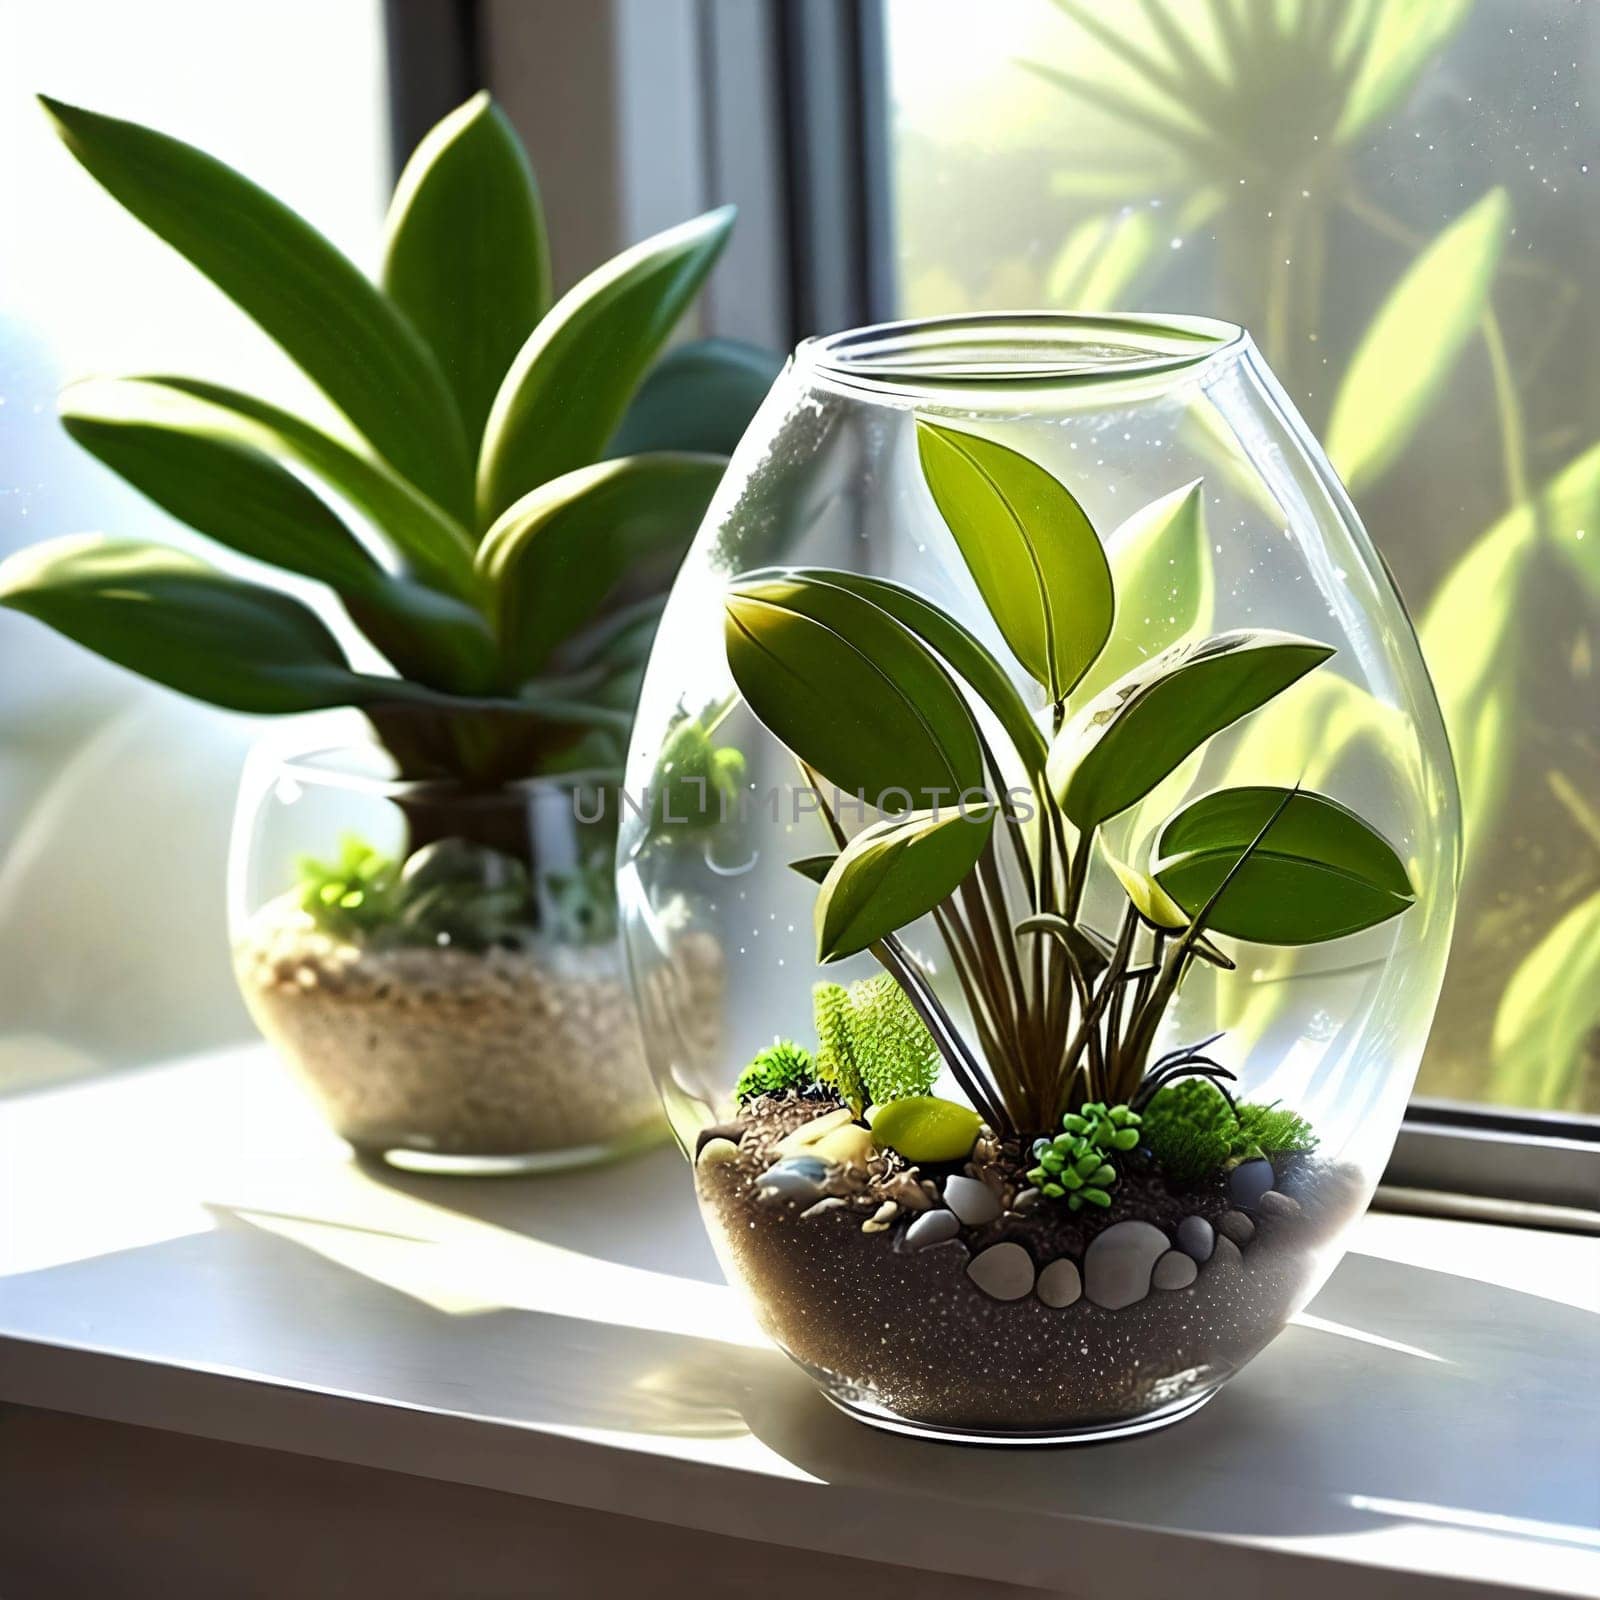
(441, 966)
(1035, 1117)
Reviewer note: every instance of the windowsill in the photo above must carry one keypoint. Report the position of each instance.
(189, 1250)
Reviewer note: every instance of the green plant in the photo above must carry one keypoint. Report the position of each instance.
(779, 1069)
(1079, 1163)
(500, 518)
(450, 892)
(1064, 1013)
(1193, 1130)
(874, 1047)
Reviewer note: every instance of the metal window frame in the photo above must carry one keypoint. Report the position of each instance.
(434, 53)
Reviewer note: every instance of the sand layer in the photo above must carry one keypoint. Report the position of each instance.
(910, 1332)
(505, 1052)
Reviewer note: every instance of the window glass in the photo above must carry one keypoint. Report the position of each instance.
(1395, 196)
(115, 798)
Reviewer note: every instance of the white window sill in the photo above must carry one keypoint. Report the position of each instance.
(186, 1248)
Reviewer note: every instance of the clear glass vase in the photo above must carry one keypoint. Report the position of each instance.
(440, 967)
(966, 1293)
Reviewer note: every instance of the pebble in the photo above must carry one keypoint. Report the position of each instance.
(1175, 1270)
(880, 1219)
(731, 1131)
(798, 1178)
(808, 1133)
(828, 1203)
(717, 1153)
(1197, 1238)
(1060, 1284)
(1249, 1181)
(975, 1204)
(1226, 1255)
(1003, 1271)
(1274, 1203)
(932, 1227)
(1027, 1200)
(1235, 1225)
(1116, 1266)
(849, 1146)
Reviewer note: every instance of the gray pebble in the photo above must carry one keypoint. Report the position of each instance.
(1249, 1181)
(1197, 1238)
(1276, 1204)
(1225, 1256)
(1060, 1284)
(797, 1178)
(1174, 1270)
(932, 1227)
(973, 1202)
(1027, 1200)
(1003, 1271)
(1237, 1226)
(1116, 1266)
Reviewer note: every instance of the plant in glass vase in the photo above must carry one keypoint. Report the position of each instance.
(1084, 1165)
(498, 507)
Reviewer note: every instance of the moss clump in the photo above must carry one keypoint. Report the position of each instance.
(873, 1045)
(1192, 1131)
(779, 1069)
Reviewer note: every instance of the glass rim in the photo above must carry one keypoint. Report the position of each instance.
(329, 764)
(1006, 351)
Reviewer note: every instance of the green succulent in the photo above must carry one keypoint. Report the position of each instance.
(1078, 1164)
(874, 1046)
(450, 892)
(1192, 1130)
(781, 1068)
(499, 519)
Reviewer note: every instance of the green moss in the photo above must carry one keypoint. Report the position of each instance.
(1192, 1131)
(783, 1066)
(873, 1045)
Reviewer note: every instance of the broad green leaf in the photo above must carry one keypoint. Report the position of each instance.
(965, 654)
(852, 693)
(561, 551)
(1100, 258)
(698, 397)
(570, 384)
(428, 541)
(184, 457)
(466, 257)
(1548, 1014)
(1121, 745)
(335, 325)
(173, 619)
(1412, 343)
(1162, 567)
(1319, 873)
(1568, 518)
(895, 872)
(191, 460)
(1031, 550)
(1402, 39)
(924, 1128)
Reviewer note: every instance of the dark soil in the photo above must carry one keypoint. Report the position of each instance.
(910, 1331)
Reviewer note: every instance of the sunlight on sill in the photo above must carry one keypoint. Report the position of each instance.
(1343, 1331)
